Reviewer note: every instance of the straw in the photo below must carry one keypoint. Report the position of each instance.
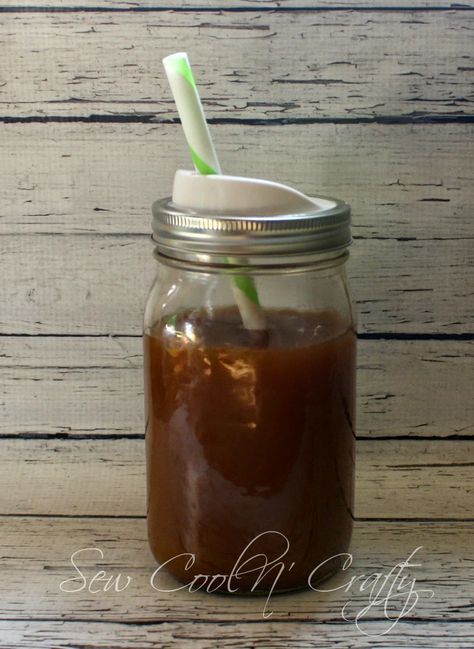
(196, 130)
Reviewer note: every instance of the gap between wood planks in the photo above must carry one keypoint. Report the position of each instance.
(356, 519)
(151, 118)
(123, 436)
(223, 621)
(360, 336)
(276, 8)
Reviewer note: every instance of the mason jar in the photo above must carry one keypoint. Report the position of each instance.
(250, 431)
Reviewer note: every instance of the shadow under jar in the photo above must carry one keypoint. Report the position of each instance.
(250, 434)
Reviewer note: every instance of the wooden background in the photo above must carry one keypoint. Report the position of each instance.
(373, 104)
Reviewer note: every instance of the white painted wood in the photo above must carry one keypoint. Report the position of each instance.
(395, 479)
(415, 388)
(36, 559)
(98, 285)
(232, 4)
(73, 478)
(238, 635)
(415, 479)
(77, 401)
(95, 386)
(94, 354)
(402, 180)
(249, 65)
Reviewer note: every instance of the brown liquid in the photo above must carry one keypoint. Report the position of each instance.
(250, 433)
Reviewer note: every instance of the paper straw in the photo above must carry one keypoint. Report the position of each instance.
(246, 298)
(185, 94)
(196, 130)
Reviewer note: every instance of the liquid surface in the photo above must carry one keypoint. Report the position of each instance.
(248, 433)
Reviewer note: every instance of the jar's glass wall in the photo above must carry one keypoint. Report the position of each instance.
(250, 438)
(176, 289)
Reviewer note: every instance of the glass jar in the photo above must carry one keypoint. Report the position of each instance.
(250, 433)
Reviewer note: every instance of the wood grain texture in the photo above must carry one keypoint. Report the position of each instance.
(36, 560)
(94, 386)
(403, 181)
(395, 479)
(329, 64)
(238, 635)
(245, 5)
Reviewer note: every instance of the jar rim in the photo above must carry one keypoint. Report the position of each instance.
(198, 236)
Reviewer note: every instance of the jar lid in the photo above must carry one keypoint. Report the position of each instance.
(190, 235)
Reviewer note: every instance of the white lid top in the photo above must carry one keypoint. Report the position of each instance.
(220, 194)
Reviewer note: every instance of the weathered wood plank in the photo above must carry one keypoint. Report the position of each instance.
(417, 477)
(36, 560)
(95, 386)
(235, 4)
(365, 63)
(238, 635)
(395, 479)
(98, 285)
(403, 181)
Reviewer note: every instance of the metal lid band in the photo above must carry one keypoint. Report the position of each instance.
(194, 236)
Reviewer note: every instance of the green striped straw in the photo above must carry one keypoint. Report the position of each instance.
(196, 130)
